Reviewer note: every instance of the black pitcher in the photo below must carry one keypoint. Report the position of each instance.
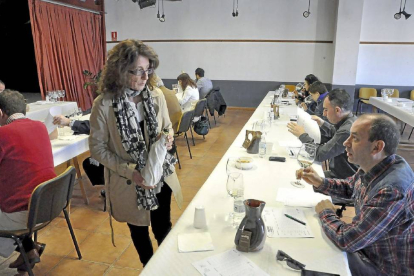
(251, 234)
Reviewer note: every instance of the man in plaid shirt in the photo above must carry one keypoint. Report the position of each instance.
(380, 240)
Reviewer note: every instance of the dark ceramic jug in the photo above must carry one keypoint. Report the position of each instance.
(251, 234)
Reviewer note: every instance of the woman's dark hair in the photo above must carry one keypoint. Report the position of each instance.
(185, 81)
(121, 59)
(311, 79)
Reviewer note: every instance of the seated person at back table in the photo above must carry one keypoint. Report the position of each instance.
(189, 91)
(204, 85)
(309, 79)
(23, 167)
(318, 92)
(78, 126)
(378, 240)
(337, 108)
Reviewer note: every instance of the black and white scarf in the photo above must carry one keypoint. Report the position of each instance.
(133, 140)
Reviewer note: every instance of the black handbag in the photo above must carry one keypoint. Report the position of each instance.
(201, 126)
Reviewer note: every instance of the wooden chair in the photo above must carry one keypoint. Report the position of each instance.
(364, 95)
(47, 201)
(290, 87)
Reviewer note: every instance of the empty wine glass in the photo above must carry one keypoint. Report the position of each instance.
(63, 92)
(231, 165)
(306, 156)
(265, 126)
(79, 113)
(299, 87)
(235, 186)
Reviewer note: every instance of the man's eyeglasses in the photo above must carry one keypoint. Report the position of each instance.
(292, 263)
(140, 72)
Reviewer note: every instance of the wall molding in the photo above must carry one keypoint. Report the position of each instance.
(230, 41)
(386, 43)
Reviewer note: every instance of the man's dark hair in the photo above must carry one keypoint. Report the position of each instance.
(317, 87)
(12, 102)
(200, 72)
(385, 129)
(311, 78)
(340, 98)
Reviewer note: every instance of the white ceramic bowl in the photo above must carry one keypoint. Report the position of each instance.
(244, 163)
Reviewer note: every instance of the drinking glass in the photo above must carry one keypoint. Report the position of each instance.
(265, 127)
(175, 88)
(63, 95)
(282, 87)
(231, 165)
(384, 94)
(306, 156)
(235, 186)
(299, 87)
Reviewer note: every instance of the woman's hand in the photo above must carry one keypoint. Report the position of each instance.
(304, 106)
(139, 180)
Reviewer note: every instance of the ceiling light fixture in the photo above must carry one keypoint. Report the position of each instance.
(307, 13)
(397, 16)
(235, 14)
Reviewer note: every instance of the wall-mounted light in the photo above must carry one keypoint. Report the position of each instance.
(307, 13)
(398, 14)
(235, 14)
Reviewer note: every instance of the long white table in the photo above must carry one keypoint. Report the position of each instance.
(262, 182)
(402, 113)
(39, 112)
(68, 149)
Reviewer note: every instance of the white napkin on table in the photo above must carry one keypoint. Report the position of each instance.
(195, 242)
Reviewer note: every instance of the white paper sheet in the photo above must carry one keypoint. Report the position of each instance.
(195, 242)
(299, 197)
(53, 111)
(229, 263)
(279, 226)
(311, 126)
(296, 143)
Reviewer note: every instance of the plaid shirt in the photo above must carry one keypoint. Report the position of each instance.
(382, 229)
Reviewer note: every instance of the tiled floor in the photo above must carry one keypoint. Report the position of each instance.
(92, 225)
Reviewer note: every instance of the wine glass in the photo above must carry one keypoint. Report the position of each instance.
(235, 186)
(265, 126)
(79, 113)
(306, 156)
(231, 165)
(299, 87)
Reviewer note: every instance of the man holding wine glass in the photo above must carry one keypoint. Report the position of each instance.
(379, 240)
(337, 108)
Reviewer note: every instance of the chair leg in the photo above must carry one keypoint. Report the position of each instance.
(35, 236)
(25, 258)
(188, 144)
(65, 212)
(214, 116)
(402, 131)
(358, 106)
(192, 136)
(208, 117)
(176, 153)
(410, 133)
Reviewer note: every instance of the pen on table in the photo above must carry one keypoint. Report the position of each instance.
(295, 219)
(291, 152)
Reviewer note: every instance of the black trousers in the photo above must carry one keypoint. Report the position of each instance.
(160, 224)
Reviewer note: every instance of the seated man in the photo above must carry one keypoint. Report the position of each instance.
(26, 160)
(377, 241)
(204, 85)
(337, 108)
(318, 92)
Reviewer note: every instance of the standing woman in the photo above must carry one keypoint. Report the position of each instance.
(126, 122)
(190, 92)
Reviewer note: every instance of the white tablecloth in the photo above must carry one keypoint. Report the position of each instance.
(403, 113)
(39, 112)
(262, 182)
(72, 146)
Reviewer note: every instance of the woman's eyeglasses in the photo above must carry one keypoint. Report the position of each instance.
(140, 72)
(292, 263)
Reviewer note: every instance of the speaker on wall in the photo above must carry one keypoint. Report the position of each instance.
(146, 3)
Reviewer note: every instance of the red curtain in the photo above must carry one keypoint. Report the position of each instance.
(66, 41)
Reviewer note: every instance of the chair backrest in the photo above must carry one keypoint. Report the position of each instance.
(396, 94)
(290, 87)
(49, 198)
(412, 95)
(185, 121)
(199, 108)
(366, 93)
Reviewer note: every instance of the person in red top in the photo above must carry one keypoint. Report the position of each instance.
(26, 160)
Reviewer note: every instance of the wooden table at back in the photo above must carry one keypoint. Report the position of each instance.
(262, 182)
